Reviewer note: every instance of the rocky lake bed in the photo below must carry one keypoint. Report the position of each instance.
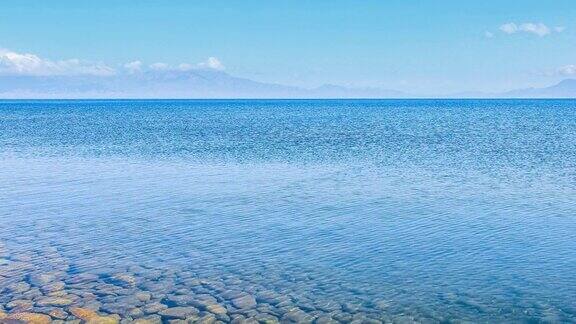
(38, 287)
(43, 287)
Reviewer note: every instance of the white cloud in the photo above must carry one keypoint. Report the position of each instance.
(568, 70)
(185, 67)
(488, 34)
(133, 67)
(212, 63)
(14, 63)
(509, 28)
(30, 64)
(538, 29)
(159, 66)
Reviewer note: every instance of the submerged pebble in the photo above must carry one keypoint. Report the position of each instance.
(244, 302)
(31, 318)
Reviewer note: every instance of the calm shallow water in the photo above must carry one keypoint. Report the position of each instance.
(393, 211)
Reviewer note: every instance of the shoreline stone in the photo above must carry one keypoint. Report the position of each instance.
(244, 302)
(83, 313)
(54, 301)
(178, 312)
(58, 313)
(123, 280)
(18, 288)
(31, 318)
(40, 280)
(217, 309)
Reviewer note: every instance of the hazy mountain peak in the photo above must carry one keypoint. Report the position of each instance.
(564, 89)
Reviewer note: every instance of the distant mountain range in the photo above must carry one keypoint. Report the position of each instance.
(210, 83)
(564, 89)
(199, 83)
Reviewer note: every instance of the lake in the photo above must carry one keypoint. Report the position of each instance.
(324, 211)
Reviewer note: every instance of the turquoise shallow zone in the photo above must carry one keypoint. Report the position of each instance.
(319, 211)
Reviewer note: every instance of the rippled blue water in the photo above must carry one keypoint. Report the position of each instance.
(445, 209)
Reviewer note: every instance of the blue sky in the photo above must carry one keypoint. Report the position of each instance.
(418, 46)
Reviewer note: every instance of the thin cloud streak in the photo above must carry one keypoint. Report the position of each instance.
(28, 64)
(538, 29)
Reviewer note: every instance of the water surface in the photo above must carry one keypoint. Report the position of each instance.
(366, 210)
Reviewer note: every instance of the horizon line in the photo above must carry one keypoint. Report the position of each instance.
(285, 99)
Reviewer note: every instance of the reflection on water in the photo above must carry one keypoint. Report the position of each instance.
(292, 211)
